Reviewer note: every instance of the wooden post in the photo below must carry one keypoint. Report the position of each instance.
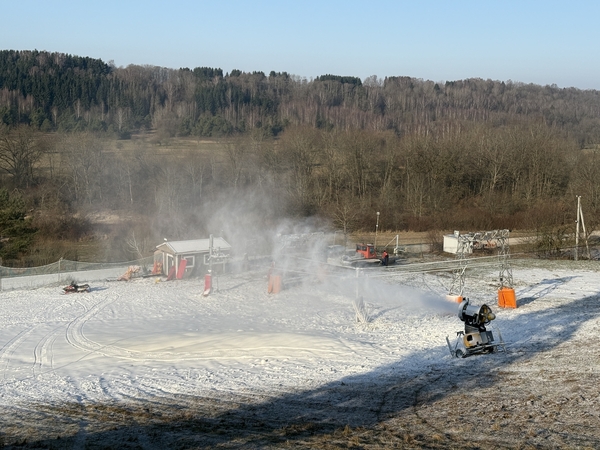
(577, 227)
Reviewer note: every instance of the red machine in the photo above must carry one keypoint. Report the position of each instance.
(366, 250)
(366, 255)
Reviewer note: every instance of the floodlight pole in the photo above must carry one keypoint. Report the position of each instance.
(376, 229)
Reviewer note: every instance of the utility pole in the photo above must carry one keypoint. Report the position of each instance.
(580, 218)
(577, 227)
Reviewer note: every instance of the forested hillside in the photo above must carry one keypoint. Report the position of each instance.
(79, 136)
(55, 91)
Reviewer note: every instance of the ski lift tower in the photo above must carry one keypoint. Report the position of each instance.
(506, 292)
(464, 246)
(505, 277)
(484, 240)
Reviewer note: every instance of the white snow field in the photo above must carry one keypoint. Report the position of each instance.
(154, 364)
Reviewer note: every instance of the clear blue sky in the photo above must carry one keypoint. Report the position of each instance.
(541, 42)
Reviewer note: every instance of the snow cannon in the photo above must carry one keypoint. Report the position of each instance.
(475, 339)
(475, 316)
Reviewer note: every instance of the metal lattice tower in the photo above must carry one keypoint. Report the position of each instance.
(505, 277)
(464, 246)
(481, 240)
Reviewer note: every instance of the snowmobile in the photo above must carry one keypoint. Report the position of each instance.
(73, 287)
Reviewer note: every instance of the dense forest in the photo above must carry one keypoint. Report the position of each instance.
(54, 91)
(79, 136)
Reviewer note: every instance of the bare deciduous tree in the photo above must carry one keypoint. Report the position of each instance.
(85, 159)
(20, 150)
(300, 155)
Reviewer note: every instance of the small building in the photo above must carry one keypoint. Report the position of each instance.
(451, 244)
(196, 252)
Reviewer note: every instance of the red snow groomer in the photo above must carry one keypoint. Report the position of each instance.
(366, 255)
(74, 287)
(366, 250)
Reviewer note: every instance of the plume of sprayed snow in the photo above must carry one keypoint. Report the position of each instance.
(361, 310)
(246, 220)
(385, 294)
(250, 222)
(410, 298)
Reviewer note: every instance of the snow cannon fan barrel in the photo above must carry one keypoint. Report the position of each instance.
(474, 315)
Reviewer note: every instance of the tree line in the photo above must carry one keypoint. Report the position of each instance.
(466, 155)
(519, 176)
(56, 91)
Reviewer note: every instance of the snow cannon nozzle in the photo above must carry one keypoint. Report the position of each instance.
(475, 315)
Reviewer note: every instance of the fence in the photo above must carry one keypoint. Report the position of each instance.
(64, 271)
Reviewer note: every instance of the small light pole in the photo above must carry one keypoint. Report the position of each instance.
(376, 229)
(335, 235)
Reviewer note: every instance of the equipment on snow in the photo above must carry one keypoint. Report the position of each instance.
(366, 255)
(73, 287)
(476, 338)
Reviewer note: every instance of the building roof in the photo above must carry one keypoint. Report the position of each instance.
(193, 246)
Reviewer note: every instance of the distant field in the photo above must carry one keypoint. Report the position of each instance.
(150, 142)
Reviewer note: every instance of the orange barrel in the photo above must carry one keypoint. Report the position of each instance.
(276, 284)
(507, 298)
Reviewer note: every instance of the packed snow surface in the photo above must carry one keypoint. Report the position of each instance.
(150, 338)
(145, 336)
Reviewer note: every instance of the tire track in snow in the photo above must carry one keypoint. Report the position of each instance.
(76, 337)
(41, 348)
(221, 348)
(43, 354)
(8, 350)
